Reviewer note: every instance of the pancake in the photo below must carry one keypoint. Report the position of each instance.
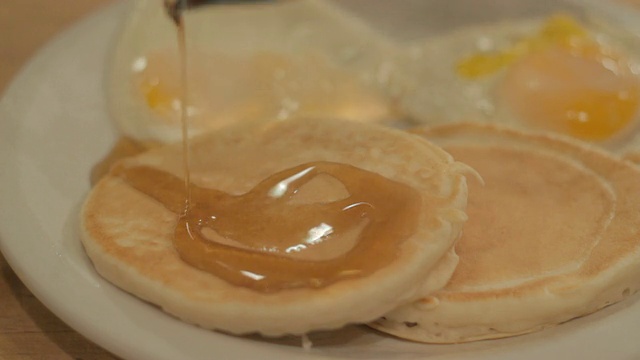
(554, 234)
(128, 233)
(245, 63)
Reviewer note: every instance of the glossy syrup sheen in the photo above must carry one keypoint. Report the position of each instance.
(262, 239)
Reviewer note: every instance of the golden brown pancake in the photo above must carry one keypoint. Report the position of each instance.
(553, 234)
(128, 230)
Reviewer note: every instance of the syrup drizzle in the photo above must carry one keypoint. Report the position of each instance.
(184, 110)
(257, 240)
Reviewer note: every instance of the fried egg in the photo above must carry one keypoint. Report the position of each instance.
(263, 61)
(554, 74)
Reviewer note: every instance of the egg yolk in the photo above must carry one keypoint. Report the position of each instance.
(561, 79)
(223, 88)
(559, 90)
(219, 88)
(162, 96)
(558, 30)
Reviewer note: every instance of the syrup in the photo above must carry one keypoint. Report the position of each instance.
(184, 115)
(261, 239)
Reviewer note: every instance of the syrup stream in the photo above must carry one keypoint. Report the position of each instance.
(184, 113)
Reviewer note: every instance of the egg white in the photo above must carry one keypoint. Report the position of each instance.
(290, 30)
(418, 77)
(433, 92)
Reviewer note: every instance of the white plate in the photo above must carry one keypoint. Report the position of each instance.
(54, 126)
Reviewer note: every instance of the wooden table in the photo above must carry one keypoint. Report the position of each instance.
(28, 330)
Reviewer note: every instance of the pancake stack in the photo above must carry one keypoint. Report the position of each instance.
(322, 217)
(553, 230)
(128, 231)
(553, 234)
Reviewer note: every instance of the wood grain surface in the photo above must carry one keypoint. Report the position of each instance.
(28, 330)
